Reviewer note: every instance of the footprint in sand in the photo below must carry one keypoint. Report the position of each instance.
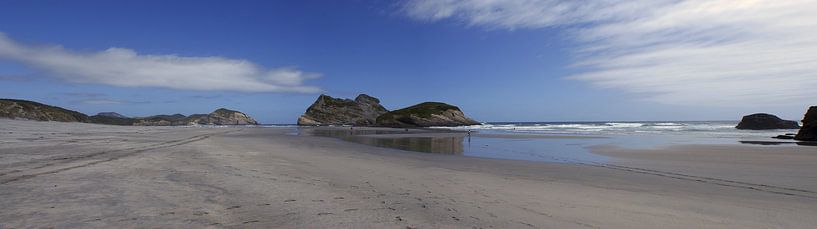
(200, 213)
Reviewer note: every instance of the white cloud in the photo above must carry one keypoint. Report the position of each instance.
(690, 52)
(126, 68)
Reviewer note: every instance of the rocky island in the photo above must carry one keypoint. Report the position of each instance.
(363, 111)
(367, 111)
(425, 115)
(223, 116)
(762, 121)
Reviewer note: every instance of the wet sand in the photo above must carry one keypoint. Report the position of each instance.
(91, 176)
(788, 166)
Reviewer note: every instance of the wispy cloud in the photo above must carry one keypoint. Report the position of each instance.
(126, 68)
(92, 98)
(716, 52)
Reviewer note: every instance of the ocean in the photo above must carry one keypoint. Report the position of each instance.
(717, 129)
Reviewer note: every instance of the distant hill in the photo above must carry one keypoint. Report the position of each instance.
(29, 110)
(110, 120)
(111, 114)
(23, 109)
(220, 116)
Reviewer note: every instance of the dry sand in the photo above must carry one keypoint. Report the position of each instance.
(68, 175)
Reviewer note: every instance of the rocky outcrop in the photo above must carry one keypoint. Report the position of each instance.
(220, 116)
(809, 130)
(784, 136)
(425, 115)
(224, 116)
(761, 121)
(197, 119)
(363, 111)
(23, 109)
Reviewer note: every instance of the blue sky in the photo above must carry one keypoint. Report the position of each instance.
(497, 60)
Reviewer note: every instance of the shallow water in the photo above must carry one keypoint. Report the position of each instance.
(380, 138)
(562, 148)
(565, 150)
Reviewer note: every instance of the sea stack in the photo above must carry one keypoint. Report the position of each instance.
(762, 121)
(425, 115)
(326, 110)
(24, 109)
(809, 130)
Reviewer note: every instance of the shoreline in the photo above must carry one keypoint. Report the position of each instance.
(75, 176)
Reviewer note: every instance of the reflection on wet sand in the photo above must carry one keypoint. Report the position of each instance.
(449, 144)
(560, 149)
(778, 143)
(443, 145)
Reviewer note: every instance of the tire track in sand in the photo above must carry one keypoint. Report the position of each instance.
(77, 162)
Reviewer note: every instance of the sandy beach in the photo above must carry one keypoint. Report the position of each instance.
(71, 175)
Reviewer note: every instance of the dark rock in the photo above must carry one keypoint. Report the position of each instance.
(784, 136)
(809, 130)
(363, 111)
(425, 115)
(23, 109)
(761, 121)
